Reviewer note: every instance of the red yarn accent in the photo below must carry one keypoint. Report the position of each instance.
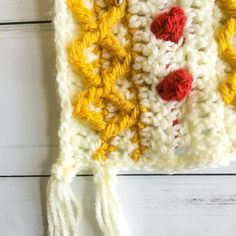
(169, 26)
(175, 86)
(175, 122)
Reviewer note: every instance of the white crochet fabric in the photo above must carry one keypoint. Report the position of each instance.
(204, 136)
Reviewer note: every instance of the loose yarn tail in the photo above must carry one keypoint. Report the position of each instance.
(108, 210)
(63, 209)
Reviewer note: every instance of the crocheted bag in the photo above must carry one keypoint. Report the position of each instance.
(141, 87)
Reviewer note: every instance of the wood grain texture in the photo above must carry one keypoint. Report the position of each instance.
(30, 119)
(196, 206)
(29, 123)
(25, 10)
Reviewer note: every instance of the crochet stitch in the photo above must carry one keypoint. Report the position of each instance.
(169, 26)
(143, 84)
(175, 86)
(227, 51)
(101, 90)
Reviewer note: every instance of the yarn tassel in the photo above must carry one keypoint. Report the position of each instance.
(108, 210)
(63, 209)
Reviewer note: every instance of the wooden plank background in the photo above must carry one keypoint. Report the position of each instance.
(202, 203)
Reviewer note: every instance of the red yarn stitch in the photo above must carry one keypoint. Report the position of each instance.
(175, 122)
(169, 26)
(175, 86)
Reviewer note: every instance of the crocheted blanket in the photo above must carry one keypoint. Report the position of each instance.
(143, 84)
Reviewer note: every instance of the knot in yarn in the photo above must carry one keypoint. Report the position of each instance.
(175, 86)
(169, 26)
(65, 170)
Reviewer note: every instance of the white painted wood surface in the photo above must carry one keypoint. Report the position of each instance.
(31, 114)
(25, 10)
(155, 205)
(196, 206)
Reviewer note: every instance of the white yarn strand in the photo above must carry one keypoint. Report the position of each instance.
(63, 209)
(108, 209)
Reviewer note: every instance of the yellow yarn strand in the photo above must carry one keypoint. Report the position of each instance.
(225, 36)
(229, 6)
(96, 25)
(227, 52)
(228, 90)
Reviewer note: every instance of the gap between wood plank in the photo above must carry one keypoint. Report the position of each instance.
(146, 175)
(26, 22)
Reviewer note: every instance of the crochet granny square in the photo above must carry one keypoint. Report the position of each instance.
(144, 84)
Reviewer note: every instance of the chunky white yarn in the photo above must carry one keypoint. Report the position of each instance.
(63, 209)
(108, 210)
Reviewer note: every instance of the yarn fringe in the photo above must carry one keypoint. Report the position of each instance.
(108, 210)
(63, 209)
